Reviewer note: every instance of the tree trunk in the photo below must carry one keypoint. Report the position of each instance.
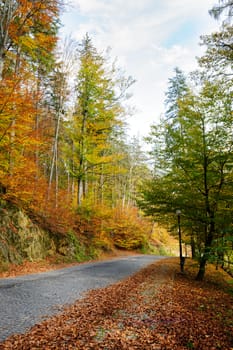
(202, 265)
(1, 65)
(54, 156)
(80, 191)
(208, 244)
(7, 11)
(193, 246)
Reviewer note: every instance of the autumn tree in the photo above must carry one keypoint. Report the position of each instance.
(28, 33)
(98, 112)
(136, 168)
(58, 95)
(28, 28)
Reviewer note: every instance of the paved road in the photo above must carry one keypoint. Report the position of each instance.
(26, 300)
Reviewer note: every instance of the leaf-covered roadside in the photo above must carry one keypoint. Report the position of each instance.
(157, 308)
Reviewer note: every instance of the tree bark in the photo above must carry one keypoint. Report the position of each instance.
(193, 246)
(202, 266)
(204, 258)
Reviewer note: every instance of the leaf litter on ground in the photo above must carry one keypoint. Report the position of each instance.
(156, 308)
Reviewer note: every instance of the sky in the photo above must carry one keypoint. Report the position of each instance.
(149, 38)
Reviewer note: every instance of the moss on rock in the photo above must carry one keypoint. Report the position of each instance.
(20, 238)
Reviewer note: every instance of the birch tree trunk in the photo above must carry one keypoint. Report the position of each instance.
(6, 14)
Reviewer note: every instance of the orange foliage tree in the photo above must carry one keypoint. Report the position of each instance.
(50, 159)
(28, 37)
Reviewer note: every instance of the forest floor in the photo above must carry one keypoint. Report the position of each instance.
(156, 308)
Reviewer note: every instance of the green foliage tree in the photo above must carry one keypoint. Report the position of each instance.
(198, 175)
(218, 58)
(177, 89)
(224, 6)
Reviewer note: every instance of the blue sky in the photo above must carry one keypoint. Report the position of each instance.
(149, 38)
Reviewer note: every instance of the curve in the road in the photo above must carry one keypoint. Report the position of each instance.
(26, 300)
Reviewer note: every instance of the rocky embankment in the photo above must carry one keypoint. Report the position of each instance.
(22, 239)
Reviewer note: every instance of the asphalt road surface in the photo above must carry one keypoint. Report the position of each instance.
(27, 300)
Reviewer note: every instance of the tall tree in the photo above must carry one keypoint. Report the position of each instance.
(59, 93)
(28, 35)
(177, 89)
(224, 6)
(98, 112)
(198, 178)
(218, 59)
(27, 28)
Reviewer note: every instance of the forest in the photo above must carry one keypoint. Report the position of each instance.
(66, 158)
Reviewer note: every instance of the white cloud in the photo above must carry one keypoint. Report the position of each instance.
(150, 38)
(91, 6)
(110, 7)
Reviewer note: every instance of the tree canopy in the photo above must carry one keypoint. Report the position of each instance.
(192, 151)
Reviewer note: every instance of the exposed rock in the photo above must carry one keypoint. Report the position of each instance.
(20, 238)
